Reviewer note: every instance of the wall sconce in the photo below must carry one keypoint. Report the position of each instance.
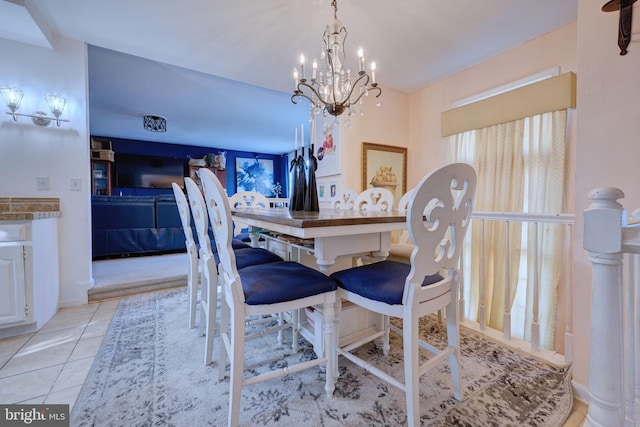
(13, 96)
(624, 22)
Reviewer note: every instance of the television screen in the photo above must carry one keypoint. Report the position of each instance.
(138, 171)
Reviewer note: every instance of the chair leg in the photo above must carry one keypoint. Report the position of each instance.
(385, 337)
(411, 369)
(237, 366)
(329, 344)
(295, 328)
(280, 333)
(193, 297)
(212, 302)
(453, 338)
(336, 338)
(203, 298)
(225, 314)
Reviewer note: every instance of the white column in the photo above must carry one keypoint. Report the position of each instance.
(603, 241)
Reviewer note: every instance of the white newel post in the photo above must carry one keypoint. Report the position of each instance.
(603, 241)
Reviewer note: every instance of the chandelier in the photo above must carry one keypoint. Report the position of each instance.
(332, 90)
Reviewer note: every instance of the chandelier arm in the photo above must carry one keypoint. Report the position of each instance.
(299, 92)
(369, 89)
(313, 89)
(355, 83)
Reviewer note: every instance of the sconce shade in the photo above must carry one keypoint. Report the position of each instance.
(56, 103)
(12, 97)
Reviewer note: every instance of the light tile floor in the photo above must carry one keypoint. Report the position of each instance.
(50, 366)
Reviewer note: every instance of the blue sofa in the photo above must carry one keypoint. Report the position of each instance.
(130, 225)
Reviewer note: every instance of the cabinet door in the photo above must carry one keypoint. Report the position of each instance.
(12, 287)
(101, 177)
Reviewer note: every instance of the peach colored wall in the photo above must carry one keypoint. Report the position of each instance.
(387, 124)
(609, 151)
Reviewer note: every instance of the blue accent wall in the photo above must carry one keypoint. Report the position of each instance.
(186, 152)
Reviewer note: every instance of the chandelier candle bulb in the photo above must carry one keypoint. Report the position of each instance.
(302, 66)
(295, 77)
(373, 73)
(361, 57)
(315, 69)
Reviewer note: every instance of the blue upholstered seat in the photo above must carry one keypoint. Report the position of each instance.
(237, 244)
(271, 283)
(381, 281)
(246, 237)
(252, 256)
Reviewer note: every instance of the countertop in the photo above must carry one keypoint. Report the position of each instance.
(28, 208)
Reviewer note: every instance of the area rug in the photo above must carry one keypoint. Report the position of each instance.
(149, 371)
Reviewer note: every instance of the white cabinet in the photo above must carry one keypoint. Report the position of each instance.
(29, 277)
(13, 307)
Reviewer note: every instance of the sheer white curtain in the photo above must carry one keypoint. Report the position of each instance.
(520, 168)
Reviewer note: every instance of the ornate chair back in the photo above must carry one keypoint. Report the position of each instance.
(242, 200)
(344, 200)
(375, 199)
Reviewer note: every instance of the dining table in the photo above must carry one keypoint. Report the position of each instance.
(332, 233)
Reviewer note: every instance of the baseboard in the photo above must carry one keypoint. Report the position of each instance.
(581, 392)
(118, 291)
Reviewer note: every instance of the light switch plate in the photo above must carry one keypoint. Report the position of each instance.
(42, 182)
(75, 184)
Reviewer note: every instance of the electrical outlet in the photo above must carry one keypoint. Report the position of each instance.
(42, 182)
(75, 184)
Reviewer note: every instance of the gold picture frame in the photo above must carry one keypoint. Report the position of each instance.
(388, 164)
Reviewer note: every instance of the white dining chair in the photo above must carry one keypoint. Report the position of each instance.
(243, 200)
(401, 245)
(193, 269)
(429, 283)
(344, 200)
(209, 262)
(376, 199)
(259, 290)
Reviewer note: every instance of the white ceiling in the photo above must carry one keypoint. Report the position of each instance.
(220, 71)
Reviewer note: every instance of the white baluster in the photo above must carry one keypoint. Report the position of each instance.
(507, 288)
(568, 334)
(483, 298)
(603, 241)
(535, 323)
(629, 368)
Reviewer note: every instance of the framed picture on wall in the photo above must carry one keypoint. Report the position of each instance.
(327, 148)
(332, 189)
(255, 175)
(384, 166)
(322, 192)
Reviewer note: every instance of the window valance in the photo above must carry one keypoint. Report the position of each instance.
(553, 94)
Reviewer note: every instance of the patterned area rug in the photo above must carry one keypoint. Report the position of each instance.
(149, 371)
